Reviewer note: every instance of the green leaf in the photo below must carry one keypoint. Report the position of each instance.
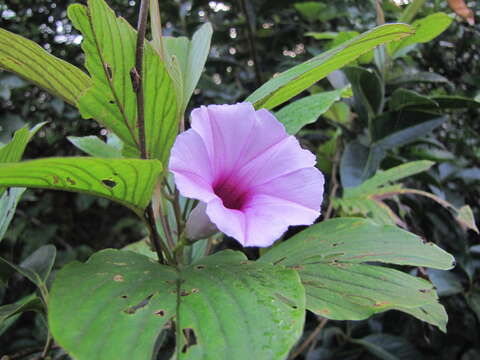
(191, 57)
(306, 110)
(37, 266)
(426, 29)
(419, 77)
(30, 61)
(127, 181)
(197, 57)
(334, 260)
(293, 81)
(109, 45)
(8, 204)
(366, 199)
(448, 102)
(310, 10)
(28, 303)
(464, 216)
(94, 146)
(394, 129)
(382, 178)
(368, 90)
(226, 305)
(13, 151)
(403, 98)
(434, 314)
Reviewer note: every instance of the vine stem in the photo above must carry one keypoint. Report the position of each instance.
(251, 42)
(309, 340)
(137, 82)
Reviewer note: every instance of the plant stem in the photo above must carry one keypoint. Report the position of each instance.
(137, 76)
(137, 81)
(333, 181)
(251, 42)
(308, 340)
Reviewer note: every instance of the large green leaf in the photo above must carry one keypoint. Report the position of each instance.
(223, 306)
(127, 181)
(33, 63)
(306, 110)
(295, 80)
(109, 46)
(334, 260)
(426, 29)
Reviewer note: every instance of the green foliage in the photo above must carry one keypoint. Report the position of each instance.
(426, 29)
(139, 297)
(30, 61)
(109, 45)
(94, 146)
(189, 57)
(330, 258)
(127, 181)
(293, 81)
(307, 110)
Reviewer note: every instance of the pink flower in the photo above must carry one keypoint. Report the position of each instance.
(254, 178)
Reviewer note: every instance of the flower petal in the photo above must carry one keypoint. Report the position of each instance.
(228, 221)
(226, 131)
(190, 164)
(283, 158)
(303, 187)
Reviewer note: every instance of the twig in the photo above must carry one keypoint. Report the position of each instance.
(251, 42)
(333, 181)
(380, 14)
(309, 339)
(137, 82)
(137, 76)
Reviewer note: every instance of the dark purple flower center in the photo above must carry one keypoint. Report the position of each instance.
(232, 192)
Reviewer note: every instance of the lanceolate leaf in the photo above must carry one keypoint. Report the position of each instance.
(190, 57)
(221, 306)
(295, 80)
(109, 45)
(333, 259)
(426, 29)
(306, 110)
(128, 181)
(14, 150)
(27, 59)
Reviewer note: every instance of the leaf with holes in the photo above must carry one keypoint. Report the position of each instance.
(127, 181)
(30, 61)
(222, 305)
(334, 260)
(293, 81)
(109, 46)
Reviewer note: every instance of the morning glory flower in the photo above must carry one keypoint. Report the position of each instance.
(253, 178)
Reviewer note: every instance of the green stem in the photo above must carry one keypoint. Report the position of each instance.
(409, 13)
